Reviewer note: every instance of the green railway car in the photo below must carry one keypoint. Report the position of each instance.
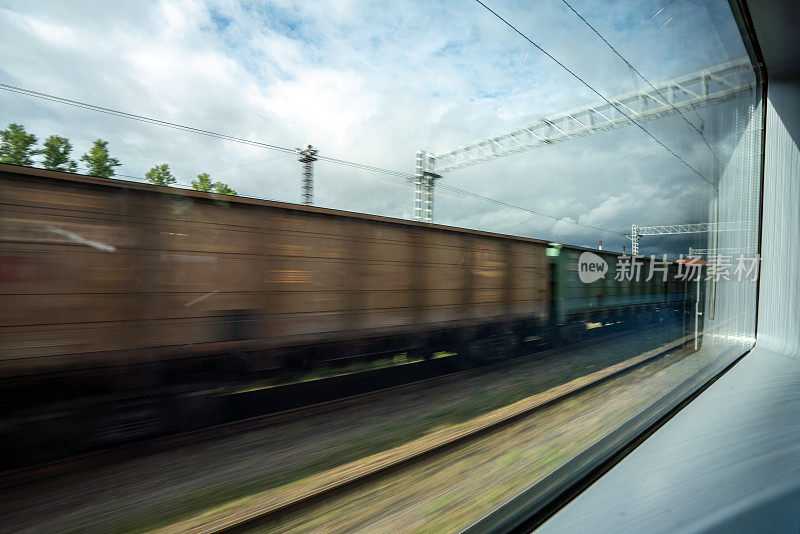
(613, 298)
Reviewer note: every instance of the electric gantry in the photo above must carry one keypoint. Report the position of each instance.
(637, 232)
(688, 92)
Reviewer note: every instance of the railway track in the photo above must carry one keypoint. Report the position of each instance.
(132, 450)
(359, 473)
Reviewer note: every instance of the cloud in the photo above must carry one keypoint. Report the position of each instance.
(373, 82)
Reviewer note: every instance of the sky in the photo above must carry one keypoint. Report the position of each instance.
(373, 82)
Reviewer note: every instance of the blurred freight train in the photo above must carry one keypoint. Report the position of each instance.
(127, 308)
(110, 285)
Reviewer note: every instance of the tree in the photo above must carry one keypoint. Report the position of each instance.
(98, 160)
(223, 189)
(16, 145)
(56, 153)
(160, 175)
(204, 183)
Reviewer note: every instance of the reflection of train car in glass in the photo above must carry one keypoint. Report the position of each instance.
(147, 285)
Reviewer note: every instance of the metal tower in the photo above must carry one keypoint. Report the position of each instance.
(307, 158)
(424, 179)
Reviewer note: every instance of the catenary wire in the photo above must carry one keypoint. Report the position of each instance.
(642, 76)
(456, 190)
(141, 118)
(182, 127)
(464, 192)
(352, 164)
(595, 91)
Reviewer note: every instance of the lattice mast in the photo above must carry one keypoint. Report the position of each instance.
(424, 179)
(307, 158)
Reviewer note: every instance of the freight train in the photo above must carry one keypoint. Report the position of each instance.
(118, 285)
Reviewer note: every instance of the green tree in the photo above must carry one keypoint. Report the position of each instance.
(204, 183)
(223, 189)
(98, 160)
(16, 145)
(56, 153)
(160, 175)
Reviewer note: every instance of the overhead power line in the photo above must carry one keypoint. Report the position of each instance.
(286, 150)
(642, 76)
(364, 167)
(249, 164)
(191, 129)
(452, 189)
(595, 91)
(141, 118)
(464, 192)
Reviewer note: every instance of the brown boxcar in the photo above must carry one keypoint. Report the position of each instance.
(97, 273)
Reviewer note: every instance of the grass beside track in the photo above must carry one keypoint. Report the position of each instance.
(468, 481)
(444, 422)
(486, 393)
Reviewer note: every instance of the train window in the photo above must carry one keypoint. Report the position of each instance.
(223, 273)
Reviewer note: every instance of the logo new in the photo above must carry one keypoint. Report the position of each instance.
(591, 267)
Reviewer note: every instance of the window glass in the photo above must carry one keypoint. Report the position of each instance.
(340, 266)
